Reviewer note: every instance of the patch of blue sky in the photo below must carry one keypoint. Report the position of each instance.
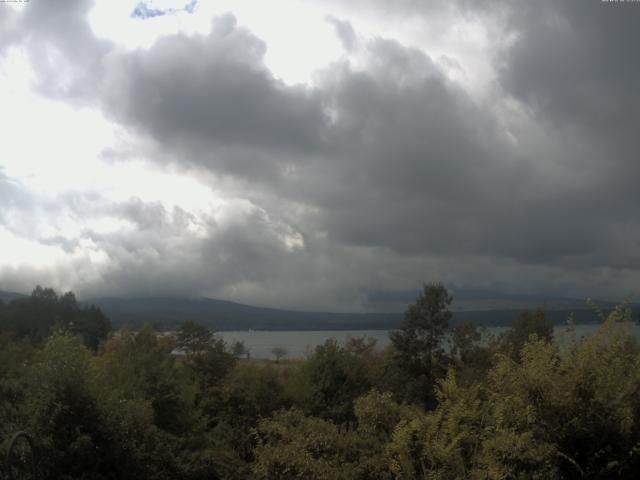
(191, 6)
(144, 10)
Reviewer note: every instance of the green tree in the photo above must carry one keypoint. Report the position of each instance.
(16, 358)
(418, 342)
(66, 418)
(37, 316)
(239, 349)
(91, 325)
(147, 398)
(193, 337)
(528, 323)
(548, 413)
(292, 445)
(208, 363)
(251, 391)
(378, 413)
(336, 376)
(279, 353)
(464, 341)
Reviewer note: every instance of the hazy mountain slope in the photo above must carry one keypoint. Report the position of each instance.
(479, 300)
(491, 309)
(169, 313)
(223, 315)
(8, 296)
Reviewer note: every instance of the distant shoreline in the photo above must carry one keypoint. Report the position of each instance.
(320, 323)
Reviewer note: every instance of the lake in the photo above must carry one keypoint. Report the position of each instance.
(297, 343)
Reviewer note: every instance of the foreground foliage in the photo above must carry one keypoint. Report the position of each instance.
(146, 405)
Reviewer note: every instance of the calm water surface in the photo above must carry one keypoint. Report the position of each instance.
(298, 343)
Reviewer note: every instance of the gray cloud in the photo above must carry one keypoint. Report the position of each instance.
(381, 175)
(12, 193)
(211, 100)
(345, 32)
(7, 27)
(65, 54)
(574, 64)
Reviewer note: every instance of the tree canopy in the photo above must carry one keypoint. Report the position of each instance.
(419, 340)
(152, 405)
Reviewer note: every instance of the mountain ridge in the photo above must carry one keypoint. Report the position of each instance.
(169, 312)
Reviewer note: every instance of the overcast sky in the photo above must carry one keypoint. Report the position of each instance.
(306, 154)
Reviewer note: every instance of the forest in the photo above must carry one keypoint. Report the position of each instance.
(441, 402)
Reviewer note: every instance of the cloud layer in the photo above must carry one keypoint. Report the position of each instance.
(383, 172)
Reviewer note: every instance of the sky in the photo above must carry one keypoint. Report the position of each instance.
(320, 155)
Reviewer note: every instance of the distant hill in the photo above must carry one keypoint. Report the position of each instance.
(488, 309)
(169, 313)
(8, 296)
(467, 300)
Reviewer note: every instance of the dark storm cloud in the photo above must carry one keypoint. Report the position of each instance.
(575, 64)
(572, 66)
(598, 87)
(386, 173)
(425, 171)
(244, 257)
(404, 144)
(203, 93)
(392, 156)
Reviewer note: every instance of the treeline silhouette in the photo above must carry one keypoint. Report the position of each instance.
(442, 401)
(36, 317)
